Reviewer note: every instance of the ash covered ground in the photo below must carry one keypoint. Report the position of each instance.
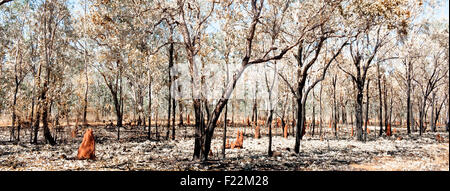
(135, 152)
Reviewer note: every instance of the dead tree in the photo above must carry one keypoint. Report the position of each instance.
(361, 63)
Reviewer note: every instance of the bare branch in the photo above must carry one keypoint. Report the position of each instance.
(4, 1)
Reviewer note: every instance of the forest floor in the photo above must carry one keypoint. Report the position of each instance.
(135, 152)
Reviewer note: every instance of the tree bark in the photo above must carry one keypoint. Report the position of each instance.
(432, 124)
(173, 118)
(171, 50)
(149, 133)
(367, 110)
(437, 113)
(386, 110)
(16, 89)
(47, 134)
(313, 113)
(224, 131)
(358, 111)
(300, 126)
(156, 124)
(269, 126)
(32, 114)
(320, 113)
(380, 97)
(224, 139)
(408, 98)
(335, 117)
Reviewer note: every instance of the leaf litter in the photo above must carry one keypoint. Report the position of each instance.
(135, 152)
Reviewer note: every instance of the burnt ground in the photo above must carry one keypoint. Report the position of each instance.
(135, 152)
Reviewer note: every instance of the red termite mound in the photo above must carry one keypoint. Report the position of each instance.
(87, 147)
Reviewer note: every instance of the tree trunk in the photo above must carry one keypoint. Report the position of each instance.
(173, 118)
(335, 117)
(320, 113)
(204, 135)
(433, 100)
(37, 123)
(149, 107)
(408, 99)
(380, 96)
(169, 116)
(300, 126)
(313, 113)
(255, 106)
(171, 50)
(85, 102)
(47, 134)
(32, 114)
(437, 113)
(156, 124)
(199, 130)
(367, 110)
(224, 131)
(269, 126)
(386, 112)
(16, 89)
(226, 113)
(118, 112)
(180, 111)
(358, 111)
(293, 125)
(422, 114)
(391, 105)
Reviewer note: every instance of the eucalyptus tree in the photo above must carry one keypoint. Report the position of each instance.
(315, 35)
(125, 33)
(53, 26)
(432, 72)
(193, 18)
(373, 24)
(17, 50)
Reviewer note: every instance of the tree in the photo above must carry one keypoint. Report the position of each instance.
(302, 74)
(53, 19)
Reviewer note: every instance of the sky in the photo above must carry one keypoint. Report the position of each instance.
(440, 12)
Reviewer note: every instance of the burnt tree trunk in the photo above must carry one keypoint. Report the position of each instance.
(47, 134)
(408, 98)
(313, 113)
(13, 124)
(269, 126)
(149, 107)
(385, 102)
(380, 97)
(367, 110)
(300, 125)
(335, 117)
(171, 50)
(358, 110)
(224, 131)
(224, 139)
(156, 124)
(255, 106)
(320, 113)
(199, 131)
(437, 112)
(173, 118)
(32, 113)
(432, 124)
